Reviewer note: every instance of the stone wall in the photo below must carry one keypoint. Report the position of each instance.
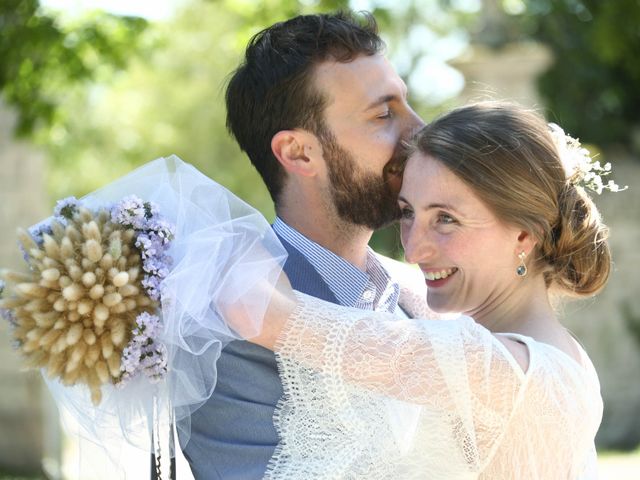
(505, 74)
(22, 203)
(601, 323)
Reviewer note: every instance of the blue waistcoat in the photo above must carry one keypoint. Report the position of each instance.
(232, 434)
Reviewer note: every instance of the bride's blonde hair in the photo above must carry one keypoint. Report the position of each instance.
(507, 155)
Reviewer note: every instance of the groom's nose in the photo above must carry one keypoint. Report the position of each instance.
(413, 124)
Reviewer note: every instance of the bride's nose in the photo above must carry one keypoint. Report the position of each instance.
(417, 243)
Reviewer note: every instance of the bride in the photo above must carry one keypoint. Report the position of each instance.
(500, 230)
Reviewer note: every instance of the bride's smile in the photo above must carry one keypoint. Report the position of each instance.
(432, 275)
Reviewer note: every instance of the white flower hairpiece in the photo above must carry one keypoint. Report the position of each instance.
(580, 167)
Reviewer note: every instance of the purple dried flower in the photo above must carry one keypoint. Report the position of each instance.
(155, 363)
(153, 235)
(148, 248)
(163, 230)
(152, 239)
(151, 285)
(130, 212)
(150, 210)
(38, 230)
(156, 266)
(66, 208)
(25, 254)
(131, 357)
(9, 315)
(143, 354)
(149, 324)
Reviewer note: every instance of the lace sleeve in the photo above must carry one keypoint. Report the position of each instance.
(455, 367)
(417, 361)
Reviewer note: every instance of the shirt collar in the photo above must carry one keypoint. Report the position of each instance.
(347, 282)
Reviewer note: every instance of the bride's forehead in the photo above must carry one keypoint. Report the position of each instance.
(424, 174)
(428, 182)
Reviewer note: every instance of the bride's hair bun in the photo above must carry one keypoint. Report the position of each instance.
(576, 248)
(508, 156)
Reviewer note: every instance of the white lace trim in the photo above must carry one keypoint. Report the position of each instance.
(370, 396)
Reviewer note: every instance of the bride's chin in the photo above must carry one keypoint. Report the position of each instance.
(435, 307)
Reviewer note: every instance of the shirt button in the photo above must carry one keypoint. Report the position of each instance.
(368, 295)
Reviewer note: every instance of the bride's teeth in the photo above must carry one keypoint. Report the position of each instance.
(439, 275)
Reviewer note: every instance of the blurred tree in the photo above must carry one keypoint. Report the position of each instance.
(591, 89)
(171, 100)
(39, 57)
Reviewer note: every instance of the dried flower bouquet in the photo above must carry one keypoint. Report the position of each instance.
(85, 311)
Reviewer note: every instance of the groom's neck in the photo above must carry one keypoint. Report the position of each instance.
(342, 238)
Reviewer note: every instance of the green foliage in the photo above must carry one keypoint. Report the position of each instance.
(592, 87)
(105, 120)
(39, 57)
(170, 101)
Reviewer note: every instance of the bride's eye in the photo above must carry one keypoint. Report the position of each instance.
(446, 219)
(406, 213)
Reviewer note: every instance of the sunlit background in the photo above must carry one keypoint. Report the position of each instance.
(91, 89)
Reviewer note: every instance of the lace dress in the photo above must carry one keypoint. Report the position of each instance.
(368, 396)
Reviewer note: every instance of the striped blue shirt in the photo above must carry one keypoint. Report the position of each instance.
(370, 290)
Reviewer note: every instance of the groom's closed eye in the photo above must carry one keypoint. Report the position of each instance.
(385, 115)
(385, 99)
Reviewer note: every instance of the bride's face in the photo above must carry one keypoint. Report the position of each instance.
(469, 258)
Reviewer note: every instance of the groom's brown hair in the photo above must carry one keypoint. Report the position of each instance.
(273, 89)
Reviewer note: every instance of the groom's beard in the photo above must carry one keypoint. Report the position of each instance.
(360, 198)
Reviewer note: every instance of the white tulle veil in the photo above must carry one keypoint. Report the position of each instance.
(211, 226)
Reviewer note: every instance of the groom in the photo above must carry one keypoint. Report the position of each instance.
(321, 114)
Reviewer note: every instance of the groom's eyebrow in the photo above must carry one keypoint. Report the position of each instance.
(382, 100)
(385, 99)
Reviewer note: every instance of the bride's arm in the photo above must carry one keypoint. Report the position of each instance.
(413, 360)
(456, 367)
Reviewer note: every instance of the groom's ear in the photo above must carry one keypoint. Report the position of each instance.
(296, 150)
